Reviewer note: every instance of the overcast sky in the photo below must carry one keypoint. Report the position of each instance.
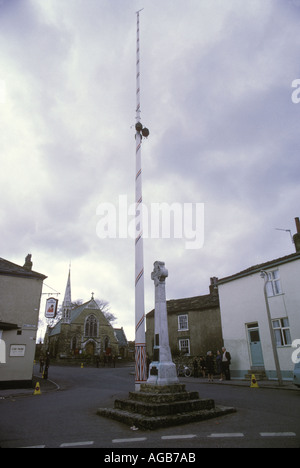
(216, 88)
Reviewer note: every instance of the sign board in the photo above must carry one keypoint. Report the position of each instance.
(17, 350)
(51, 308)
(2, 350)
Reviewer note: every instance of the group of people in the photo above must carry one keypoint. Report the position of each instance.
(211, 365)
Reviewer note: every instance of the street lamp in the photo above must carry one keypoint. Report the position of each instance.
(265, 276)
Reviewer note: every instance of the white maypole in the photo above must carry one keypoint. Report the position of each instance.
(140, 337)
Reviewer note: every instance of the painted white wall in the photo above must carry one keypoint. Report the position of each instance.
(242, 301)
(19, 304)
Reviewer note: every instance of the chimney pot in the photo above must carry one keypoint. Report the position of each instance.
(213, 288)
(28, 263)
(296, 237)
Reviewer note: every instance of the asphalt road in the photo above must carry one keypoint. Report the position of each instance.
(67, 417)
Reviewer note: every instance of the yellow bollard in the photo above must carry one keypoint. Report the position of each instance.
(37, 390)
(254, 383)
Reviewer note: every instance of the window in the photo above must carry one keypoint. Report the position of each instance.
(184, 346)
(90, 328)
(282, 332)
(73, 343)
(274, 286)
(183, 323)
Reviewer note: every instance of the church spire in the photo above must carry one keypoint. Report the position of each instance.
(66, 307)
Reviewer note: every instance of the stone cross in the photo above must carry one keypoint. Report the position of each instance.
(162, 369)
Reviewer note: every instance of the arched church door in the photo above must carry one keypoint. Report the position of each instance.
(90, 348)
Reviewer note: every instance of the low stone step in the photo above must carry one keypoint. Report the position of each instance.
(258, 376)
(173, 388)
(152, 423)
(161, 409)
(163, 397)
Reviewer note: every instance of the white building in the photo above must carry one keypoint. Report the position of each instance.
(20, 296)
(245, 325)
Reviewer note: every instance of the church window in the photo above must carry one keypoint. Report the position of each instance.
(73, 343)
(91, 326)
(106, 343)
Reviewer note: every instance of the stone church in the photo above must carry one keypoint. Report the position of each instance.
(83, 331)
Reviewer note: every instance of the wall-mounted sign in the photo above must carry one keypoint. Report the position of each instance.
(51, 307)
(2, 350)
(17, 350)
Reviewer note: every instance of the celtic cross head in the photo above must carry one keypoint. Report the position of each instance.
(160, 273)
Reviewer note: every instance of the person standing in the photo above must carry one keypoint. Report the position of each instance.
(210, 366)
(219, 364)
(42, 363)
(47, 364)
(226, 361)
(202, 366)
(195, 365)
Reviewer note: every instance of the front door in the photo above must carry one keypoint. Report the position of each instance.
(90, 348)
(255, 346)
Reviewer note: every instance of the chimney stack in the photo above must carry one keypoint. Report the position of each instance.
(213, 287)
(28, 263)
(296, 237)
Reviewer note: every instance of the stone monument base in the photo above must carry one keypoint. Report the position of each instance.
(162, 373)
(157, 406)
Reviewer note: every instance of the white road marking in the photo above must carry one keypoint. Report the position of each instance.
(278, 434)
(77, 444)
(172, 437)
(35, 447)
(227, 434)
(121, 441)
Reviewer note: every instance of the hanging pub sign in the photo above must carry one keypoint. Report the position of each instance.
(51, 308)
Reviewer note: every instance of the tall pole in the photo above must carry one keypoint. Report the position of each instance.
(265, 275)
(140, 337)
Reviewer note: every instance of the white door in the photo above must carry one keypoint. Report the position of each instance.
(257, 359)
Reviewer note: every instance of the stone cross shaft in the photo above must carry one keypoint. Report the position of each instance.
(162, 369)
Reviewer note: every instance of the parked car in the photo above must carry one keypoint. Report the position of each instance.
(297, 375)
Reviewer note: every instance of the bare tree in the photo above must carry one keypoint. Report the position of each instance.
(105, 309)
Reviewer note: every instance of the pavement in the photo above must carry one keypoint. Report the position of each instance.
(287, 384)
(45, 387)
(48, 385)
